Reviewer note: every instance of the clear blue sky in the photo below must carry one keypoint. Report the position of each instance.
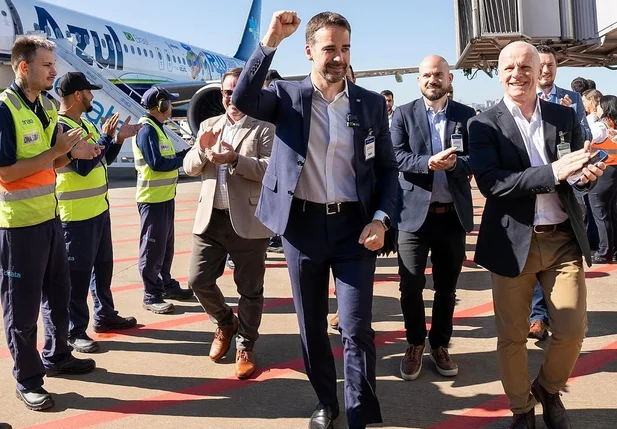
(390, 33)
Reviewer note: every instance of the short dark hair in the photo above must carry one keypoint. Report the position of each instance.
(545, 49)
(353, 75)
(25, 48)
(324, 19)
(591, 84)
(236, 71)
(608, 103)
(387, 92)
(579, 85)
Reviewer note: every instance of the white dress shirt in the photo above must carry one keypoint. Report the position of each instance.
(549, 210)
(437, 125)
(221, 199)
(599, 132)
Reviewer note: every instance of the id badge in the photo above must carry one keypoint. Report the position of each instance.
(563, 149)
(456, 141)
(369, 148)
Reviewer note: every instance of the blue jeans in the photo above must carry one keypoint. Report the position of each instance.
(539, 310)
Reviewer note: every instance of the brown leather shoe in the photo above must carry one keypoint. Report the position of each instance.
(334, 321)
(245, 364)
(524, 421)
(411, 365)
(538, 330)
(222, 340)
(554, 413)
(444, 363)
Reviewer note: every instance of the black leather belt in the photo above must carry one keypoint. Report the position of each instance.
(222, 211)
(329, 208)
(564, 226)
(440, 208)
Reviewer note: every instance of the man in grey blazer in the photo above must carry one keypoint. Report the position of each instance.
(231, 155)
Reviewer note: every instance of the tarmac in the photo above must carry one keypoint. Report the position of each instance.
(158, 375)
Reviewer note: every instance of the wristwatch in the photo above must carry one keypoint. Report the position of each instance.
(69, 156)
(384, 219)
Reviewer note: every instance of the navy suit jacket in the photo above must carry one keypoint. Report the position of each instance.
(577, 105)
(287, 104)
(504, 175)
(411, 137)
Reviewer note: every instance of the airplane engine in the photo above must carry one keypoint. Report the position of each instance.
(205, 104)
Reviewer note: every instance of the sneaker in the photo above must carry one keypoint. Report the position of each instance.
(115, 323)
(35, 399)
(83, 344)
(230, 264)
(159, 307)
(178, 294)
(411, 365)
(538, 330)
(444, 363)
(71, 366)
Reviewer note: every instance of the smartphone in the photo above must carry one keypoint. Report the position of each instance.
(599, 156)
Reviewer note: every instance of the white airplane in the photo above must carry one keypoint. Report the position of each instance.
(128, 56)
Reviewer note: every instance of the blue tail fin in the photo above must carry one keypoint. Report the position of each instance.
(250, 38)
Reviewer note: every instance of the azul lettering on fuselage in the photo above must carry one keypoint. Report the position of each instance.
(84, 37)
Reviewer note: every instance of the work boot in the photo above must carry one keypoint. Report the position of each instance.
(71, 366)
(553, 411)
(178, 293)
(222, 340)
(115, 323)
(82, 343)
(524, 420)
(35, 399)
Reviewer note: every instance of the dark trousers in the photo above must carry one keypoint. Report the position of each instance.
(444, 236)
(90, 252)
(156, 249)
(315, 243)
(602, 198)
(210, 250)
(34, 273)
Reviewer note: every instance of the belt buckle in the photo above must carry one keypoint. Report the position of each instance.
(333, 208)
(554, 228)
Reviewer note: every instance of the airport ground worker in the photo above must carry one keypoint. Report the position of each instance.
(81, 187)
(34, 270)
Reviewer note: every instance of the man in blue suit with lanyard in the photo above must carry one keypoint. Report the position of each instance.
(329, 190)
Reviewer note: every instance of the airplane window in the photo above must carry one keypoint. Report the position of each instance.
(48, 31)
(174, 59)
(3, 13)
(103, 43)
(145, 53)
(87, 39)
(126, 48)
(168, 58)
(138, 50)
(96, 42)
(160, 56)
(78, 37)
(37, 27)
(151, 54)
(132, 50)
(58, 33)
(68, 33)
(184, 61)
(118, 47)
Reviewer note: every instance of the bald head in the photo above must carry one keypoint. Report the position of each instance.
(434, 77)
(519, 69)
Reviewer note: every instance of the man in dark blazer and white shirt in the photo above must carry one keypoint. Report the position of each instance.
(434, 211)
(521, 152)
(330, 191)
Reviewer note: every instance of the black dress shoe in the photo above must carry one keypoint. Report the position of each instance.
(35, 399)
(597, 259)
(115, 323)
(178, 294)
(5, 426)
(71, 366)
(553, 411)
(323, 417)
(524, 421)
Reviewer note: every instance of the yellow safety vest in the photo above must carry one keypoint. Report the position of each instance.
(31, 200)
(155, 186)
(79, 197)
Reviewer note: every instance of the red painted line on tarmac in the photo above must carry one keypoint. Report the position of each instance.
(490, 411)
(134, 204)
(210, 388)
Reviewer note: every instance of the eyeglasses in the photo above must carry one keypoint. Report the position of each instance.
(227, 92)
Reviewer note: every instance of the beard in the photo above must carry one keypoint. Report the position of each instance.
(333, 77)
(546, 83)
(440, 92)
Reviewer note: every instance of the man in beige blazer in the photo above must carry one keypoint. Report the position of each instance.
(231, 155)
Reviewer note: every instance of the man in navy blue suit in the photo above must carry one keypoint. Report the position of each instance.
(330, 190)
(434, 210)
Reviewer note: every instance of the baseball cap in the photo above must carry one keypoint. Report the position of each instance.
(74, 81)
(152, 96)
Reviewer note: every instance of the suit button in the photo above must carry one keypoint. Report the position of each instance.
(290, 193)
(300, 163)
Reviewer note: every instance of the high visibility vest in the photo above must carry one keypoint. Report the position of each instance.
(608, 146)
(155, 186)
(79, 197)
(31, 200)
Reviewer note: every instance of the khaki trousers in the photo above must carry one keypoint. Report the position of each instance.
(555, 260)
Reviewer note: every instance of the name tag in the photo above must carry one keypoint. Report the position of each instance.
(164, 147)
(456, 141)
(32, 137)
(563, 149)
(369, 148)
